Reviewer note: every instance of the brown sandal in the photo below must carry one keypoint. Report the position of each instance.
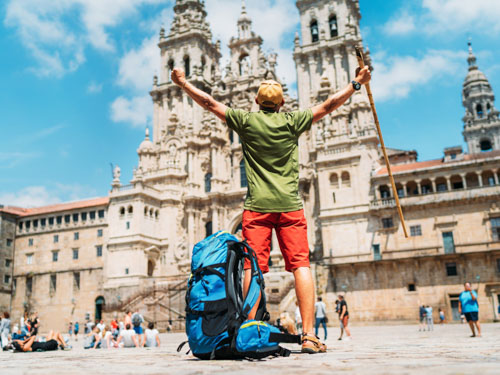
(312, 345)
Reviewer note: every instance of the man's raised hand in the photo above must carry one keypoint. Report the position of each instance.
(363, 76)
(178, 77)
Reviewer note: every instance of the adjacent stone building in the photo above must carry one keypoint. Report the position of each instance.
(190, 182)
(7, 243)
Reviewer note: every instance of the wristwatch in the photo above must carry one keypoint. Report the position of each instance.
(356, 85)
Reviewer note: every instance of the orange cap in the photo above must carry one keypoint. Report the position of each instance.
(270, 94)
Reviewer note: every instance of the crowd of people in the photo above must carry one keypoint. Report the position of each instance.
(124, 333)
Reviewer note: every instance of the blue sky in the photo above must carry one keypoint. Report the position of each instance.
(76, 74)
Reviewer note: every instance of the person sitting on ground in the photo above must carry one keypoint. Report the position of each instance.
(92, 338)
(152, 336)
(53, 341)
(128, 337)
(19, 334)
(270, 141)
(106, 339)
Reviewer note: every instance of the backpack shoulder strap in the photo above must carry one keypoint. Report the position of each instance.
(285, 337)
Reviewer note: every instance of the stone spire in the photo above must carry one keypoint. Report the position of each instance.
(244, 23)
(481, 121)
(190, 15)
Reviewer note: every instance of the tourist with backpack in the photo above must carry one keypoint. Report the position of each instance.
(270, 142)
(137, 320)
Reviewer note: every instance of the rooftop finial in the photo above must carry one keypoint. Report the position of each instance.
(243, 7)
(472, 58)
(147, 132)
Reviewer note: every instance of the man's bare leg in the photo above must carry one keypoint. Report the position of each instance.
(471, 325)
(304, 288)
(478, 326)
(246, 285)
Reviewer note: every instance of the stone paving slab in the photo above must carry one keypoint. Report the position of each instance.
(374, 350)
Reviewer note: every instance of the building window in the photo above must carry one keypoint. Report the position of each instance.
(9, 242)
(76, 280)
(20, 225)
(130, 210)
(27, 224)
(412, 288)
(76, 236)
(384, 192)
(53, 283)
(59, 220)
(75, 218)
(498, 265)
(448, 243)
(29, 258)
(376, 252)
(495, 228)
(243, 174)
(35, 223)
(451, 269)
(99, 250)
(55, 256)
(100, 214)
(6, 279)
(122, 211)
(346, 179)
(75, 254)
(29, 285)
(84, 216)
(126, 271)
(415, 230)
(99, 233)
(208, 229)
(43, 222)
(441, 187)
(67, 219)
(127, 225)
(92, 215)
(8, 262)
(387, 222)
(56, 238)
(314, 31)
(30, 242)
(51, 221)
(187, 66)
(479, 109)
(334, 31)
(334, 180)
(208, 182)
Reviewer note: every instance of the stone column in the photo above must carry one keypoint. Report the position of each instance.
(464, 180)
(434, 188)
(495, 176)
(448, 183)
(338, 69)
(190, 229)
(313, 65)
(405, 190)
(215, 219)
(419, 187)
(480, 179)
(213, 151)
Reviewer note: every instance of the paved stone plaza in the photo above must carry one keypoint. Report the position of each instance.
(374, 350)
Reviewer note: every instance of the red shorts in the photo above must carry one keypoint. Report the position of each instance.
(291, 230)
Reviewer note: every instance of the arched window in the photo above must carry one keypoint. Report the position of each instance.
(488, 108)
(485, 145)
(479, 110)
(157, 214)
(151, 267)
(384, 192)
(346, 179)
(122, 211)
(334, 180)
(208, 229)
(314, 31)
(333, 26)
(146, 211)
(243, 174)
(208, 182)
(187, 66)
(130, 209)
(170, 67)
(151, 211)
(203, 63)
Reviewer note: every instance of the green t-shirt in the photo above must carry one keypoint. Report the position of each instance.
(270, 146)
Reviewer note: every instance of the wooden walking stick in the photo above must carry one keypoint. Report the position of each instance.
(359, 55)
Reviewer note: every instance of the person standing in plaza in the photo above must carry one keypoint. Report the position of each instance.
(429, 318)
(344, 318)
(441, 316)
(320, 316)
(70, 329)
(76, 329)
(421, 313)
(137, 321)
(270, 143)
(4, 329)
(468, 306)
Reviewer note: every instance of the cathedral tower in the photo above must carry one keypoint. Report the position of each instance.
(341, 150)
(481, 120)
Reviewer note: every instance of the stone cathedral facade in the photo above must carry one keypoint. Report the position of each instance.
(190, 182)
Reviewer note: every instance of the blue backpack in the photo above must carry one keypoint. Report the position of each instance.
(216, 312)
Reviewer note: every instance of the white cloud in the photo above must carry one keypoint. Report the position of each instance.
(57, 31)
(36, 196)
(403, 24)
(138, 66)
(441, 16)
(137, 111)
(94, 88)
(396, 77)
